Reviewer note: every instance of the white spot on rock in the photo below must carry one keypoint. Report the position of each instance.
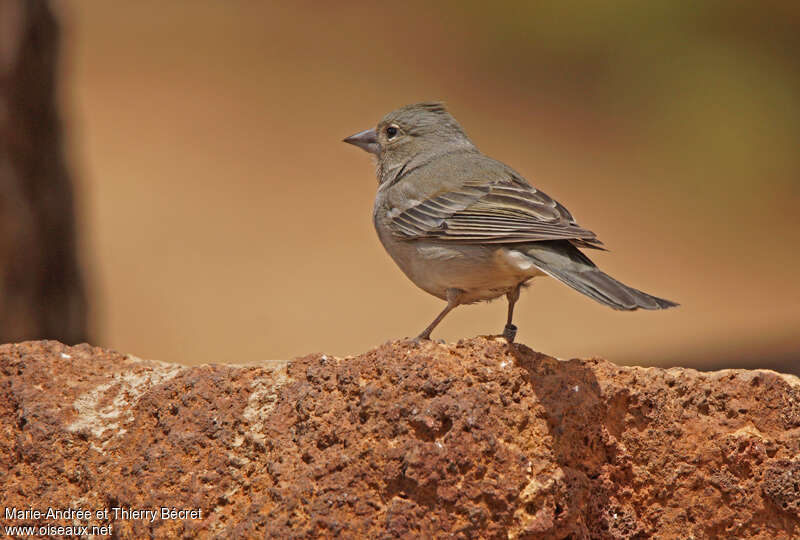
(120, 395)
(262, 400)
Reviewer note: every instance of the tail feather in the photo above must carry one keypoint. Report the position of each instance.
(566, 263)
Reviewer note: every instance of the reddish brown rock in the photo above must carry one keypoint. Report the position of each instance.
(474, 440)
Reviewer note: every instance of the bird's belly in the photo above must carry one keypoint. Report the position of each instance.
(482, 272)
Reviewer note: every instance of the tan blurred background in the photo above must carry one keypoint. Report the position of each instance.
(222, 220)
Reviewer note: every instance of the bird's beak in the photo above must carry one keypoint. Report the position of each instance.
(366, 140)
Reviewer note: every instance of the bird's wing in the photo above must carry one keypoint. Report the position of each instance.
(507, 210)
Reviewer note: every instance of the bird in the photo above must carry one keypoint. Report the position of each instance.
(467, 228)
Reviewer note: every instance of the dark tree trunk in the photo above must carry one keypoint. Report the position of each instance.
(41, 288)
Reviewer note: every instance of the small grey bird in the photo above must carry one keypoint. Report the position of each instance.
(465, 227)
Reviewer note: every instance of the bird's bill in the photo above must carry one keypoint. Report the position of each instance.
(366, 140)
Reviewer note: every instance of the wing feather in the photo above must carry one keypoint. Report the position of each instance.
(505, 211)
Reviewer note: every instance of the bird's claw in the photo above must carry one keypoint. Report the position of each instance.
(416, 342)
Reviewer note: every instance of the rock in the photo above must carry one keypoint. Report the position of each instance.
(476, 439)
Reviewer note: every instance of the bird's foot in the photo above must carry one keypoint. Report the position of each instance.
(417, 341)
(510, 332)
(421, 339)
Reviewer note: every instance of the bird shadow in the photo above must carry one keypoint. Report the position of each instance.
(584, 425)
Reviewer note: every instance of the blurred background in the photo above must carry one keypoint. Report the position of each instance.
(219, 218)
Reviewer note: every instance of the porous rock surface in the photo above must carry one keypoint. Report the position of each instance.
(476, 439)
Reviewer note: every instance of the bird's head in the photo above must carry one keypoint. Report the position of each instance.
(414, 132)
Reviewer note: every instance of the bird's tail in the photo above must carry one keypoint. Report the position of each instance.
(565, 262)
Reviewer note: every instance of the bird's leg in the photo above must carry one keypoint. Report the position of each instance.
(453, 297)
(510, 331)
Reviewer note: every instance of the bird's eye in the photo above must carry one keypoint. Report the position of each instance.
(391, 131)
